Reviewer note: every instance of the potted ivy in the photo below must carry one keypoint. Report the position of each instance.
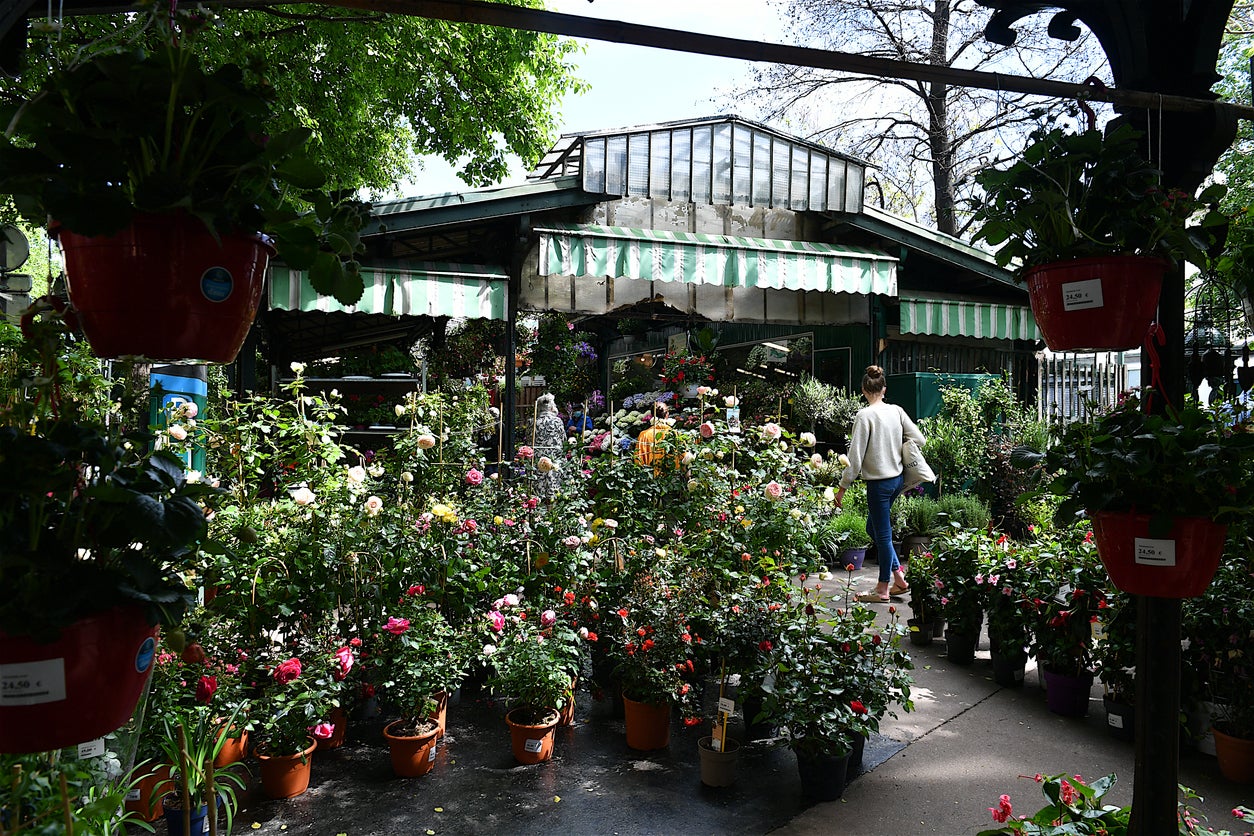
(166, 186)
(1160, 490)
(1093, 230)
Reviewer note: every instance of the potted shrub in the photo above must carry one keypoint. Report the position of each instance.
(295, 696)
(851, 528)
(915, 519)
(166, 187)
(1159, 488)
(957, 562)
(1093, 230)
(927, 614)
(191, 740)
(1004, 589)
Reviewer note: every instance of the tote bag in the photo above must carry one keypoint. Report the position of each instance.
(915, 469)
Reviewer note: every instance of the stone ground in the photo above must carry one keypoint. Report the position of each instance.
(935, 770)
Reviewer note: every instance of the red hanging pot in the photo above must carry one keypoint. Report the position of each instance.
(165, 289)
(1095, 304)
(77, 688)
(1179, 565)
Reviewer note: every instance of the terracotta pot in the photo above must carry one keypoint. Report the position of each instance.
(532, 743)
(1095, 304)
(1236, 757)
(412, 755)
(340, 720)
(648, 724)
(1180, 564)
(81, 686)
(566, 714)
(165, 289)
(440, 714)
(144, 799)
(286, 776)
(234, 749)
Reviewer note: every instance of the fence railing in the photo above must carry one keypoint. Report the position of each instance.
(1067, 385)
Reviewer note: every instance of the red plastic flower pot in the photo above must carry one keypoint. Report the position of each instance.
(165, 289)
(81, 686)
(1095, 304)
(1179, 565)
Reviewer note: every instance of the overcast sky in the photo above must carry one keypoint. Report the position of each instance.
(633, 85)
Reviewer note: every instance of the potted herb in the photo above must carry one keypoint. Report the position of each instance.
(1172, 481)
(1093, 230)
(166, 185)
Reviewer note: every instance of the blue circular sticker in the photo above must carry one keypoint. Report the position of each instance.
(216, 284)
(143, 659)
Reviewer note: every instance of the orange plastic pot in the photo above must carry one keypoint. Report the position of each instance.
(648, 724)
(1235, 756)
(440, 714)
(234, 749)
(286, 776)
(1179, 565)
(412, 756)
(81, 686)
(144, 799)
(165, 289)
(1095, 304)
(532, 743)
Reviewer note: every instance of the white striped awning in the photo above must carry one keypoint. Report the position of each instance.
(613, 252)
(473, 291)
(954, 318)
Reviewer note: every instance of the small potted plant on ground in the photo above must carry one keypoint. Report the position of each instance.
(851, 527)
(1093, 229)
(926, 611)
(915, 520)
(1004, 594)
(1114, 654)
(191, 740)
(957, 562)
(296, 694)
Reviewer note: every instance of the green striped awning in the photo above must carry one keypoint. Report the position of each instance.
(474, 291)
(725, 260)
(953, 318)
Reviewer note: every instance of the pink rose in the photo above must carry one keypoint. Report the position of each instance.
(548, 618)
(323, 731)
(287, 671)
(525, 452)
(396, 626)
(772, 430)
(707, 430)
(498, 620)
(774, 490)
(474, 476)
(344, 656)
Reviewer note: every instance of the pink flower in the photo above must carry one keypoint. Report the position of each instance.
(474, 476)
(979, 578)
(526, 452)
(396, 626)
(287, 671)
(940, 584)
(1010, 564)
(416, 589)
(1069, 793)
(772, 430)
(532, 502)
(1003, 810)
(498, 620)
(571, 542)
(344, 656)
(323, 731)
(548, 618)
(944, 599)
(774, 490)
(707, 430)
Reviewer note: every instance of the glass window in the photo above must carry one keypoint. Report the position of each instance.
(616, 165)
(853, 189)
(722, 162)
(836, 185)
(818, 182)
(761, 169)
(594, 165)
(800, 177)
(781, 156)
(742, 158)
(638, 164)
(702, 140)
(681, 165)
(660, 163)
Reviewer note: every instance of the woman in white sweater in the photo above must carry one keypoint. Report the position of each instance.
(875, 455)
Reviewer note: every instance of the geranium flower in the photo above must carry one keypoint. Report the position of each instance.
(396, 626)
(206, 688)
(287, 671)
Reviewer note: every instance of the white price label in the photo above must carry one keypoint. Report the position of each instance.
(431, 752)
(1115, 721)
(92, 748)
(1082, 296)
(716, 745)
(32, 683)
(533, 746)
(1155, 552)
(133, 795)
(726, 706)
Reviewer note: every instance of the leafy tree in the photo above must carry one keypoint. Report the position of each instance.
(929, 137)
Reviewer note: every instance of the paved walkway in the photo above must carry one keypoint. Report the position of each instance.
(933, 771)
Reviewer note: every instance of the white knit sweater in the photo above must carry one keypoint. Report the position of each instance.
(875, 445)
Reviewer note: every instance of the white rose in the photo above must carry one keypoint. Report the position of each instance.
(610, 524)
(406, 476)
(546, 465)
(177, 432)
(772, 430)
(816, 461)
(489, 649)
(730, 400)
(689, 457)
(426, 441)
(356, 474)
(808, 439)
(693, 484)
(375, 470)
(373, 506)
(399, 409)
(193, 476)
(843, 459)
(829, 493)
(303, 496)
(298, 368)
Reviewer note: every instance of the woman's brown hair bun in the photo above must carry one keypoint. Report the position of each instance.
(873, 380)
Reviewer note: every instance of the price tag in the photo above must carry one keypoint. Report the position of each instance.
(726, 706)
(1082, 296)
(431, 753)
(133, 795)
(533, 746)
(1155, 552)
(92, 748)
(716, 745)
(1115, 721)
(32, 683)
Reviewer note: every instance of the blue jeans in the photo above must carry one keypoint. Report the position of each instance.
(880, 494)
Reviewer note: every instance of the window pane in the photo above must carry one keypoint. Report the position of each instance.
(800, 177)
(660, 162)
(594, 165)
(761, 169)
(742, 146)
(853, 189)
(722, 163)
(638, 164)
(780, 157)
(681, 164)
(836, 185)
(818, 182)
(701, 142)
(616, 165)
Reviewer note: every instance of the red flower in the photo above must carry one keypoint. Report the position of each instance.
(858, 707)
(1069, 793)
(569, 598)
(640, 631)
(684, 689)
(623, 612)
(876, 639)
(194, 654)
(287, 671)
(367, 690)
(689, 722)
(648, 645)
(1003, 810)
(765, 645)
(416, 589)
(344, 656)
(355, 642)
(205, 689)
(686, 638)
(592, 636)
(396, 626)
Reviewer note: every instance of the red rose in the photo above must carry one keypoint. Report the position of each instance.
(858, 707)
(648, 645)
(287, 671)
(205, 689)
(592, 636)
(416, 589)
(765, 645)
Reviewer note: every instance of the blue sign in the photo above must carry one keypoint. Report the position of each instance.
(216, 284)
(143, 659)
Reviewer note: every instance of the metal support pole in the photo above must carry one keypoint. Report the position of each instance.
(509, 403)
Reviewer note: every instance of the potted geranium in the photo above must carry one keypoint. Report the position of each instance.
(166, 183)
(1159, 488)
(1088, 221)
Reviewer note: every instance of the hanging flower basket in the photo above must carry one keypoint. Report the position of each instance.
(81, 686)
(1178, 565)
(165, 289)
(1096, 304)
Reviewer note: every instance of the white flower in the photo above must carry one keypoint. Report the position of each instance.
(583, 632)
(843, 459)
(772, 430)
(610, 524)
(808, 439)
(193, 476)
(783, 446)
(730, 400)
(303, 496)
(489, 649)
(298, 368)
(704, 390)
(795, 513)
(373, 506)
(829, 493)
(375, 470)
(511, 600)
(356, 474)
(406, 476)
(546, 465)
(688, 457)
(713, 393)
(177, 432)
(693, 484)
(825, 576)
(816, 461)
(426, 441)
(399, 409)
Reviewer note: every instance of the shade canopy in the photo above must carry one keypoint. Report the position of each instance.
(474, 291)
(953, 318)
